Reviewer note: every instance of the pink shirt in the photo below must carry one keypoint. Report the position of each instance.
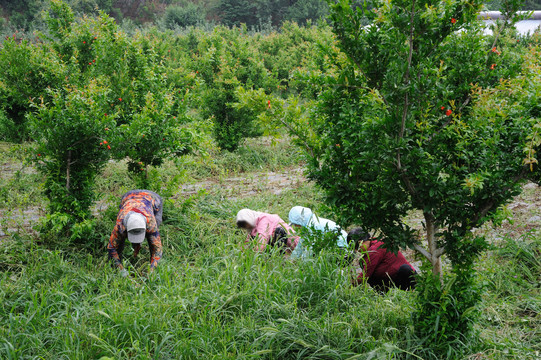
(264, 229)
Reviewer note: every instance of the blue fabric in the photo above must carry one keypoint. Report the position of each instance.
(305, 217)
(299, 215)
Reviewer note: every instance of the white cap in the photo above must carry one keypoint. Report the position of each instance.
(136, 225)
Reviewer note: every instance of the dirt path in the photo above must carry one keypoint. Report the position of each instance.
(525, 209)
(249, 185)
(234, 188)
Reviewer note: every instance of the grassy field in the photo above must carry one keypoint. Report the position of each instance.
(209, 299)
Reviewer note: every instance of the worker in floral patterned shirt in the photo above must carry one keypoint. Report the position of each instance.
(139, 217)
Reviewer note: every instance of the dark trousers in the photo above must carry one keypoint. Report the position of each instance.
(279, 239)
(404, 280)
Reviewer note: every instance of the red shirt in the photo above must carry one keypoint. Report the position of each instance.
(380, 264)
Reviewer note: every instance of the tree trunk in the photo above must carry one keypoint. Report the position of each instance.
(68, 165)
(431, 230)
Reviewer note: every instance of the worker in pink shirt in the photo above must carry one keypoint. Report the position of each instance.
(267, 230)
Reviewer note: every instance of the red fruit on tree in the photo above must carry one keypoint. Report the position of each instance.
(101, 143)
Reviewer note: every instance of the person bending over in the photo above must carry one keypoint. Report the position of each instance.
(381, 268)
(268, 230)
(304, 217)
(138, 219)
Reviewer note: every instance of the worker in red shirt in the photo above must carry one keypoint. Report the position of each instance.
(380, 268)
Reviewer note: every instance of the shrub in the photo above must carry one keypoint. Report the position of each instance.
(153, 135)
(74, 143)
(227, 62)
(26, 71)
(8, 129)
(401, 127)
(183, 16)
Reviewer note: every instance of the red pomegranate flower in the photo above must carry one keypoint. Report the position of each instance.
(492, 66)
(84, 42)
(453, 21)
(105, 142)
(448, 112)
(109, 147)
(442, 108)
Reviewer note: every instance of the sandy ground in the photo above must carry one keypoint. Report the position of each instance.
(524, 210)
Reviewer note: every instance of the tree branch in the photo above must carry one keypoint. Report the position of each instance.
(408, 183)
(490, 204)
(298, 136)
(439, 252)
(423, 251)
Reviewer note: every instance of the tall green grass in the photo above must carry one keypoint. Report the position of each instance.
(211, 299)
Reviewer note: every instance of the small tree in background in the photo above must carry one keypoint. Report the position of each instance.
(113, 102)
(399, 127)
(226, 62)
(153, 135)
(72, 131)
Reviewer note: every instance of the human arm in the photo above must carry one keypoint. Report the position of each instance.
(136, 249)
(155, 245)
(157, 207)
(115, 243)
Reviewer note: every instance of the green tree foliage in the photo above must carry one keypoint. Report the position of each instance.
(303, 11)
(183, 16)
(275, 12)
(96, 94)
(69, 130)
(27, 70)
(396, 130)
(230, 62)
